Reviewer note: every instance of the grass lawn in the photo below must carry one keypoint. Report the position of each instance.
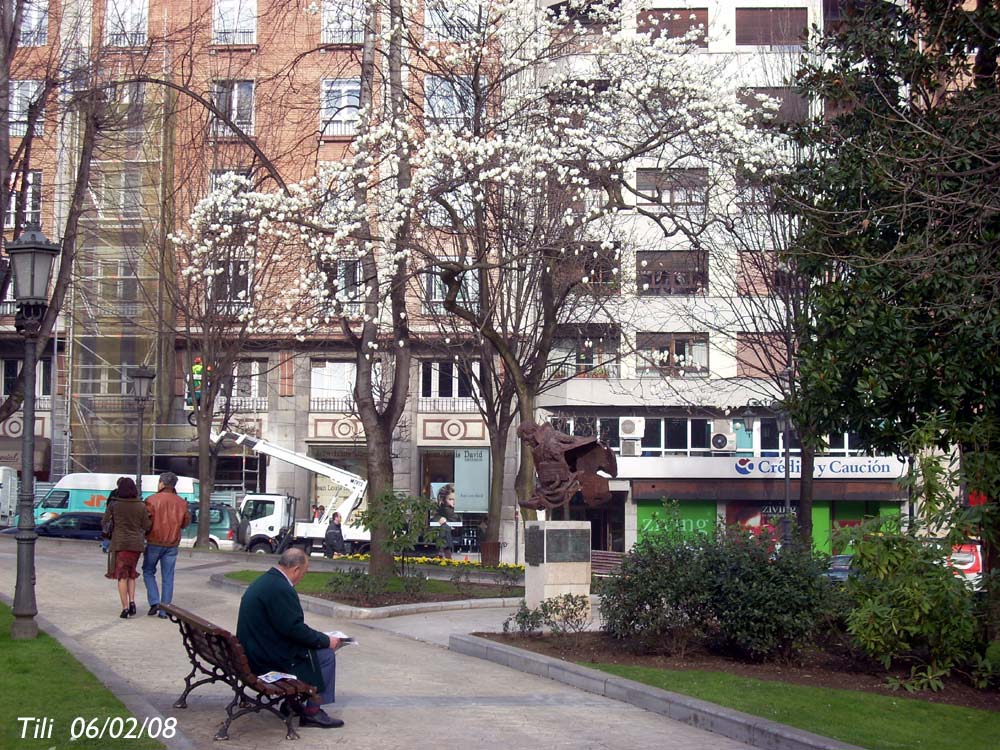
(40, 678)
(875, 722)
(315, 583)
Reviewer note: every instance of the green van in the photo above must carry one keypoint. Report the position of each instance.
(223, 527)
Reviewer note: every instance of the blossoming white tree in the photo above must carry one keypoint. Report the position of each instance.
(493, 150)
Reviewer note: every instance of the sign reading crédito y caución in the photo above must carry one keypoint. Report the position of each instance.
(758, 467)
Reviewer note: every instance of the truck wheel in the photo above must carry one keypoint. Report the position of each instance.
(261, 548)
(213, 545)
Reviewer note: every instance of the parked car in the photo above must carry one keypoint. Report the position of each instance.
(839, 568)
(223, 527)
(73, 525)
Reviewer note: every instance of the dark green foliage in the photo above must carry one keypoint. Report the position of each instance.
(900, 201)
(569, 613)
(405, 519)
(729, 588)
(907, 604)
(357, 583)
(527, 621)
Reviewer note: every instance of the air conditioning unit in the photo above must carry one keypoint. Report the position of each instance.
(631, 447)
(724, 441)
(631, 428)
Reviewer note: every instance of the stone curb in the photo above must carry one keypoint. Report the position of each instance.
(137, 703)
(347, 612)
(736, 725)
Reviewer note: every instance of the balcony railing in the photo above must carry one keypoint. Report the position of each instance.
(8, 308)
(334, 34)
(332, 405)
(221, 129)
(245, 403)
(234, 36)
(126, 38)
(565, 371)
(340, 127)
(464, 405)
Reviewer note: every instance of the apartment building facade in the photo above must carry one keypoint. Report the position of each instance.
(673, 368)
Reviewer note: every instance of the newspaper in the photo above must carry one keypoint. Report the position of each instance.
(344, 638)
(275, 676)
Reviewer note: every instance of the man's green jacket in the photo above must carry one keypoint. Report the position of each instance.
(273, 632)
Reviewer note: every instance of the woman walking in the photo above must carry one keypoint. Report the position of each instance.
(128, 539)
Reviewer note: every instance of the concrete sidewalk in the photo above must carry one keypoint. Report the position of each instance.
(399, 689)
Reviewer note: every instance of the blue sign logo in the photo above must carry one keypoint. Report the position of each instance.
(744, 466)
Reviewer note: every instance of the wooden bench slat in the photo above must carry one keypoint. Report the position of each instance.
(221, 650)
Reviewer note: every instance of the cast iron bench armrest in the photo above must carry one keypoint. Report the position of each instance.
(217, 656)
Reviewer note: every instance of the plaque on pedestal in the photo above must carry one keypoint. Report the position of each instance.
(557, 554)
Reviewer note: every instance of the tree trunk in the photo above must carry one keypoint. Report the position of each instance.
(525, 482)
(206, 475)
(498, 455)
(808, 459)
(380, 483)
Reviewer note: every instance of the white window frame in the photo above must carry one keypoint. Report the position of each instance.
(253, 379)
(120, 192)
(663, 361)
(228, 95)
(443, 102)
(126, 23)
(32, 204)
(343, 22)
(435, 290)
(117, 280)
(437, 378)
(332, 381)
(226, 297)
(234, 22)
(340, 99)
(43, 375)
(22, 93)
(34, 31)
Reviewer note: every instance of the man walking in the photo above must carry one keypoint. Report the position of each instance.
(274, 635)
(170, 515)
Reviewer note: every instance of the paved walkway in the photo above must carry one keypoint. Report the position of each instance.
(398, 689)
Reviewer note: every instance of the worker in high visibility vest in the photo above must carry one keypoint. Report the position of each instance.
(196, 372)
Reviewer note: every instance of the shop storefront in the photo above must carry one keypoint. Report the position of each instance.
(750, 492)
(465, 472)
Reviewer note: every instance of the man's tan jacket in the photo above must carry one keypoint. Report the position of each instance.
(170, 515)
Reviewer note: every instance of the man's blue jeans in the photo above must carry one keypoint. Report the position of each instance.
(166, 557)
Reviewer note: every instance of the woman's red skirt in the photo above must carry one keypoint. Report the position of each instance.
(125, 565)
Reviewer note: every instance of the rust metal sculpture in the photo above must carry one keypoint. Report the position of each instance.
(566, 465)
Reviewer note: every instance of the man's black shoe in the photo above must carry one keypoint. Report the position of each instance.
(320, 719)
(153, 610)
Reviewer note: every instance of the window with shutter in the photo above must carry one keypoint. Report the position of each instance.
(674, 23)
(771, 27)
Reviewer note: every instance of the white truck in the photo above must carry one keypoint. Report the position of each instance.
(271, 517)
(8, 495)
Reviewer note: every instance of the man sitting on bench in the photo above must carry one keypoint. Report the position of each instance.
(274, 635)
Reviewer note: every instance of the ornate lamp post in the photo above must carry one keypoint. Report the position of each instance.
(142, 382)
(31, 257)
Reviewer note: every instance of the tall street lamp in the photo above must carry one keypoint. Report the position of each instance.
(31, 257)
(142, 382)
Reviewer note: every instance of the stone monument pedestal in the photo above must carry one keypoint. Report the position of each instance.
(557, 560)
